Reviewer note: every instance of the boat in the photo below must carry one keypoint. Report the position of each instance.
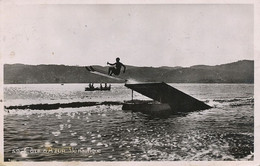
(101, 88)
(97, 89)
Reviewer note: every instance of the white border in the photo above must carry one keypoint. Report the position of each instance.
(256, 4)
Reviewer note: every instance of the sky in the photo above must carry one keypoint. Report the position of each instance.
(141, 35)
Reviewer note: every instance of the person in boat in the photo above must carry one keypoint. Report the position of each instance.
(116, 67)
(91, 85)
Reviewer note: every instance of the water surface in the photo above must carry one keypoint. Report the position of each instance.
(107, 133)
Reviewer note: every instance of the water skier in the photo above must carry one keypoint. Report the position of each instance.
(116, 68)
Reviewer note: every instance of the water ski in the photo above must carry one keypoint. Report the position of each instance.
(101, 73)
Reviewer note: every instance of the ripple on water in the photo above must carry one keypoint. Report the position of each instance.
(47, 144)
(73, 134)
(56, 133)
(82, 138)
(61, 126)
(99, 144)
(73, 144)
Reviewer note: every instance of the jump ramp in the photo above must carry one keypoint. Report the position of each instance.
(167, 98)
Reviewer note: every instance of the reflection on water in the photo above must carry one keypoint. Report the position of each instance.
(107, 133)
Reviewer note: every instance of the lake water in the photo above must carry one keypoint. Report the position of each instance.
(107, 133)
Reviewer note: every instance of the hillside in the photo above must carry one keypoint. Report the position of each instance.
(237, 72)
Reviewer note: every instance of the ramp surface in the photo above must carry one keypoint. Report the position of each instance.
(164, 93)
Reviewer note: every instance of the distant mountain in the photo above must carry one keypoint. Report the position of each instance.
(170, 68)
(237, 72)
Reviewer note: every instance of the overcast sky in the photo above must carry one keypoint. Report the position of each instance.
(141, 35)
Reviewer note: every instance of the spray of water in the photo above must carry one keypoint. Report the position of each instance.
(132, 81)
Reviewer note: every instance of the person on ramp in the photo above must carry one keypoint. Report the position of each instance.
(115, 67)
